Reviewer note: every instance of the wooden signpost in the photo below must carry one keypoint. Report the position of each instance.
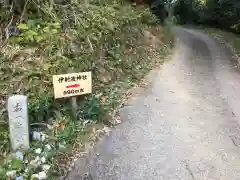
(65, 85)
(72, 85)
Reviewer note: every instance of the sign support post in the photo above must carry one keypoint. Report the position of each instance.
(73, 101)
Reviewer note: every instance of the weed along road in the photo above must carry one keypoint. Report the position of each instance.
(184, 125)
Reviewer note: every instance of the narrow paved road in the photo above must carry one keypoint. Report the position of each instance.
(184, 126)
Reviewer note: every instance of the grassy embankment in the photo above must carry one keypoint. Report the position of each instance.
(231, 40)
(117, 42)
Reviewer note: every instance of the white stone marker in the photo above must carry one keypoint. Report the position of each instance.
(18, 122)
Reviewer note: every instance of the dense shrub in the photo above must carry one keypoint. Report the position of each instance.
(92, 35)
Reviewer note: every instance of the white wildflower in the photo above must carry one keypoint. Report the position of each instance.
(43, 159)
(48, 147)
(61, 146)
(36, 162)
(42, 175)
(26, 170)
(38, 151)
(46, 167)
(34, 176)
(11, 174)
(43, 136)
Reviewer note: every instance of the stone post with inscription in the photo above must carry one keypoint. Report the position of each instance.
(18, 122)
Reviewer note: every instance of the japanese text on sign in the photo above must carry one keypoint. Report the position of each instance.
(72, 78)
(74, 84)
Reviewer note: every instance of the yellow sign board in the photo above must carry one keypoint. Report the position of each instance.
(74, 84)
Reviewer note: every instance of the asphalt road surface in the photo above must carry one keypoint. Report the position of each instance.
(184, 126)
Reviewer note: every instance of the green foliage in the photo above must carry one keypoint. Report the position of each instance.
(11, 164)
(92, 109)
(222, 14)
(16, 164)
(4, 140)
(67, 134)
(105, 37)
(69, 36)
(41, 109)
(36, 33)
(160, 9)
(2, 172)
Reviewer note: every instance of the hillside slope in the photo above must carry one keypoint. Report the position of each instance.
(118, 43)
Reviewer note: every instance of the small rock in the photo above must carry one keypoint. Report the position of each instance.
(106, 129)
(38, 136)
(118, 121)
(19, 178)
(70, 168)
(19, 155)
(88, 176)
(13, 31)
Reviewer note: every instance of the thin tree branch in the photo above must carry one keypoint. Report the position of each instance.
(6, 29)
(90, 44)
(23, 12)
